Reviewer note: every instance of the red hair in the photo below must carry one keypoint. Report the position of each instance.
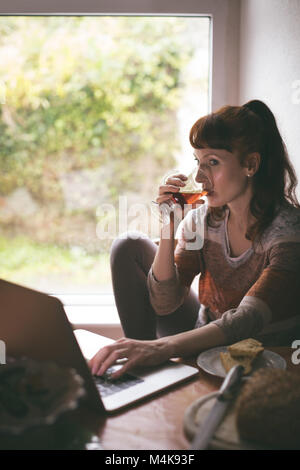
(246, 129)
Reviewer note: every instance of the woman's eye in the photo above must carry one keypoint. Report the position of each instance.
(213, 162)
(197, 161)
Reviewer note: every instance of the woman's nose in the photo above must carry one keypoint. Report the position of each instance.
(201, 176)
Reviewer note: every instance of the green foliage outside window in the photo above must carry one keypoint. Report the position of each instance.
(87, 92)
(83, 99)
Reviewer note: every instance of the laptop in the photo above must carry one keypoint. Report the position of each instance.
(35, 325)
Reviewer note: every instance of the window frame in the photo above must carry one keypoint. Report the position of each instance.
(223, 75)
(225, 19)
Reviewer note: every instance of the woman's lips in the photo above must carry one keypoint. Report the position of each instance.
(209, 193)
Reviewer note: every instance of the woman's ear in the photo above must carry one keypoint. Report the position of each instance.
(252, 163)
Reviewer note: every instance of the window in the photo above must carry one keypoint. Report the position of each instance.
(96, 109)
(79, 182)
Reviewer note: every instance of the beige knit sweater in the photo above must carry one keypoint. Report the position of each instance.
(254, 295)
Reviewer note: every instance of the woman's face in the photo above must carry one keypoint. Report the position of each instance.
(222, 175)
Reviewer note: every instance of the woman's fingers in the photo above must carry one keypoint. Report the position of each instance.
(176, 178)
(111, 360)
(108, 355)
(163, 198)
(172, 184)
(165, 192)
(98, 358)
(168, 189)
(135, 351)
(127, 366)
(105, 358)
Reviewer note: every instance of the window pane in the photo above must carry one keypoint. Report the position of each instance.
(94, 111)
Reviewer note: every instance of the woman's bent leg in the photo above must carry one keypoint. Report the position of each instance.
(131, 259)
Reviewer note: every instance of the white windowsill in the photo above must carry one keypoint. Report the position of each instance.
(94, 309)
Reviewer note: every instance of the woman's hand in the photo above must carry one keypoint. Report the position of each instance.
(171, 185)
(137, 353)
(166, 193)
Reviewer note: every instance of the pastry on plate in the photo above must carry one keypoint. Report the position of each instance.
(228, 362)
(246, 348)
(243, 353)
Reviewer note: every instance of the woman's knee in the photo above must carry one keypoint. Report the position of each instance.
(127, 244)
(183, 319)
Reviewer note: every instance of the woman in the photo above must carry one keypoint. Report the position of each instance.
(249, 263)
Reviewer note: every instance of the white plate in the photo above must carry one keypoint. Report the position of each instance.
(210, 361)
(226, 436)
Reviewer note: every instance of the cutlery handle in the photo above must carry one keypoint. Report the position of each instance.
(230, 383)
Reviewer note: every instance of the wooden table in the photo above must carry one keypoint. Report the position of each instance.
(154, 423)
(157, 423)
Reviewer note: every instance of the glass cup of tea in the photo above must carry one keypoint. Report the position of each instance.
(196, 187)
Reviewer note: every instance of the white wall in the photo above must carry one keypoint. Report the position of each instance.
(270, 64)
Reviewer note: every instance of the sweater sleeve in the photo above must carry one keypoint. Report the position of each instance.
(166, 296)
(272, 300)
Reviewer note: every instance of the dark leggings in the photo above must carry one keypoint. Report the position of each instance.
(131, 260)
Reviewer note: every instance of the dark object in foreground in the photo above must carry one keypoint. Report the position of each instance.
(268, 409)
(225, 396)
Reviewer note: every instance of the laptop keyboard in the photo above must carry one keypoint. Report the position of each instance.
(107, 386)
